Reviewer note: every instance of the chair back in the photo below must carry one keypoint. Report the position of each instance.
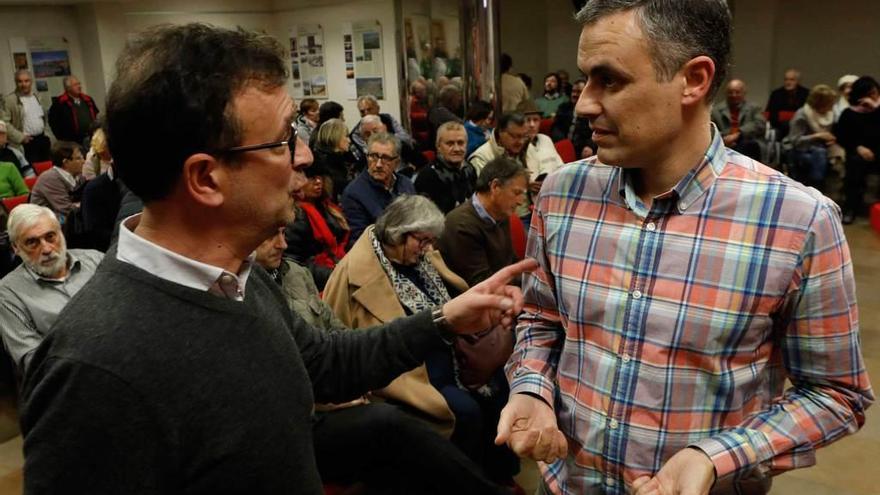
(30, 181)
(565, 148)
(546, 126)
(40, 167)
(10, 203)
(429, 155)
(518, 236)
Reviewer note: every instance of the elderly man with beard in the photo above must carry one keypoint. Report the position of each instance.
(33, 295)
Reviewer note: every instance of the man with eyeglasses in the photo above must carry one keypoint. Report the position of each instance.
(376, 186)
(179, 368)
(33, 295)
(509, 140)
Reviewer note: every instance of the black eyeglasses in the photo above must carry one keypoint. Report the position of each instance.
(375, 157)
(290, 142)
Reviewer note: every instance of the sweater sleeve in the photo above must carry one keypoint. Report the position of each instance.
(343, 365)
(114, 448)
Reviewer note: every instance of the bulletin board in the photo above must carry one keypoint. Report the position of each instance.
(308, 63)
(364, 59)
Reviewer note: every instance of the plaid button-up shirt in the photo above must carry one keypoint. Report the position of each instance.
(650, 330)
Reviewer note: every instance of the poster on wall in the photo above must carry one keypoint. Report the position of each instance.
(308, 68)
(364, 66)
(47, 58)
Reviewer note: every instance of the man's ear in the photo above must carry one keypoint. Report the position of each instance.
(698, 72)
(204, 178)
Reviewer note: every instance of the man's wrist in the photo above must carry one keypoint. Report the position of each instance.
(444, 328)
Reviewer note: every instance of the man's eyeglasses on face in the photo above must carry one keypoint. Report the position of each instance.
(375, 157)
(290, 142)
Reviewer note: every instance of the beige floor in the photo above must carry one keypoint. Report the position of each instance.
(844, 468)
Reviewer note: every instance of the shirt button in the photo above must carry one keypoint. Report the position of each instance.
(613, 424)
(609, 480)
(682, 206)
(625, 358)
(637, 294)
(651, 227)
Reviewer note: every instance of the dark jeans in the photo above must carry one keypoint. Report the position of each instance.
(857, 171)
(392, 452)
(38, 149)
(811, 165)
(476, 417)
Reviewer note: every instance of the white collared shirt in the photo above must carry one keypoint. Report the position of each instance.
(32, 123)
(168, 265)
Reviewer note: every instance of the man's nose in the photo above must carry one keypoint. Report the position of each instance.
(587, 104)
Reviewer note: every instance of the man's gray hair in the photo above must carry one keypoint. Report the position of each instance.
(22, 71)
(370, 119)
(25, 216)
(449, 126)
(676, 30)
(370, 98)
(384, 138)
(407, 214)
(66, 81)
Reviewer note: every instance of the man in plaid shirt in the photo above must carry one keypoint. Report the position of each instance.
(681, 284)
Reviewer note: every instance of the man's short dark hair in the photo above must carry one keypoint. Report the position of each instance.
(329, 110)
(676, 30)
(861, 88)
(509, 119)
(173, 97)
(503, 169)
(479, 110)
(63, 150)
(506, 62)
(554, 75)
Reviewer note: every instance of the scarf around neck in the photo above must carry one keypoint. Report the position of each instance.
(409, 294)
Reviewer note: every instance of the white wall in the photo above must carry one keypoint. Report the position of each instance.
(39, 22)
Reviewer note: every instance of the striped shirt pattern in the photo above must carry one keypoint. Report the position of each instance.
(654, 329)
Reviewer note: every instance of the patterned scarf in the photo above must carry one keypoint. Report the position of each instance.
(409, 294)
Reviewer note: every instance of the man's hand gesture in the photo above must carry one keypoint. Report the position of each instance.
(528, 426)
(688, 472)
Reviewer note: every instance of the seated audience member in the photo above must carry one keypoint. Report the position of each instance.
(33, 295)
(307, 120)
(787, 99)
(567, 125)
(446, 109)
(418, 113)
(549, 102)
(319, 233)
(813, 144)
(391, 272)
(476, 241)
(101, 203)
(327, 111)
(858, 131)
(740, 123)
(369, 105)
(98, 159)
(844, 86)
(332, 149)
(366, 127)
(509, 139)
(480, 117)
(376, 186)
(60, 188)
(11, 182)
(343, 432)
(541, 155)
(449, 181)
(12, 155)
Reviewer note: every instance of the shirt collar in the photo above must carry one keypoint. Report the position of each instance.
(696, 182)
(67, 176)
(481, 210)
(168, 265)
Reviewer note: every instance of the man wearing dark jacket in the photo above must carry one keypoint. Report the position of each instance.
(197, 378)
(449, 181)
(72, 114)
(376, 186)
(784, 101)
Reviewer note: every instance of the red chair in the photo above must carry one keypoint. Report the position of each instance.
(785, 115)
(518, 236)
(41, 167)
(546, 126)
(12, 202)
(565, 148)
(429, 155)
(30, 181)
(875, 217)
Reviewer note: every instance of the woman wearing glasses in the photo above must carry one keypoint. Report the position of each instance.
(393, 271)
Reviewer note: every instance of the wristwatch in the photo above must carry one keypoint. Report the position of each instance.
(447, 333)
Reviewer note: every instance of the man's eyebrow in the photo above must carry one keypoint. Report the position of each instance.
(605, 69)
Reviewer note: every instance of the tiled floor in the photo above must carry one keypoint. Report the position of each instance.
(844, 468)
